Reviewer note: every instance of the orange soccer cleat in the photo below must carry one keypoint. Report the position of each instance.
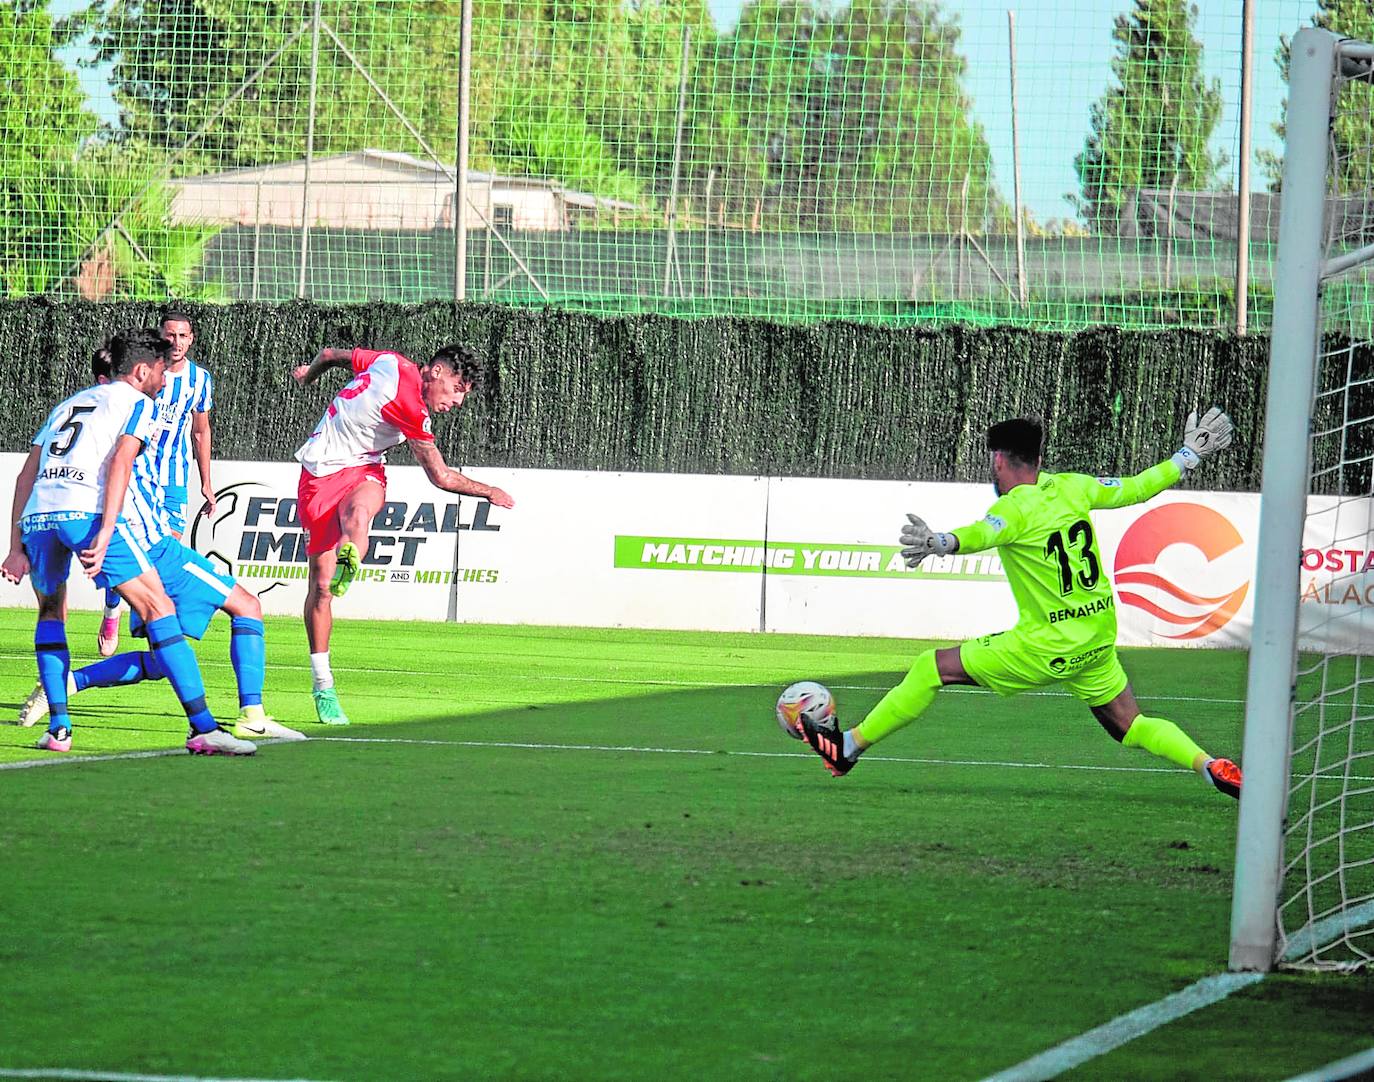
(1225, 775)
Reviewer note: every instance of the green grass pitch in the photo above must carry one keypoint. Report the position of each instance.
(573, 854)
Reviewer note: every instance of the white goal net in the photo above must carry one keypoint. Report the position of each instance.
(1310, 702)
(1326, 905)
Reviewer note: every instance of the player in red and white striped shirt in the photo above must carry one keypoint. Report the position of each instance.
(343, 482)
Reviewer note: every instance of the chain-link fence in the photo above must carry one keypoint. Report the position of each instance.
(889, 160)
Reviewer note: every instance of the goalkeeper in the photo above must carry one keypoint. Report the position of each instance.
(1067, 626)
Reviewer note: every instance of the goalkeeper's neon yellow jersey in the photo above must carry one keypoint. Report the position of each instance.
(1045, 538)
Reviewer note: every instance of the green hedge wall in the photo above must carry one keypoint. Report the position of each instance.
(721, 395)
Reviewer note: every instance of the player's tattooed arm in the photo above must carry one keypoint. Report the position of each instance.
(16, 564)
(450, 480)
(327, 358)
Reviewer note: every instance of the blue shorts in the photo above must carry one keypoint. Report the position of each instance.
(196, 588)
(50, 541)
(174, 503)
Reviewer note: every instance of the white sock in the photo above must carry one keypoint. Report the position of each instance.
(111, 611)
(851, 746)
(320, 671)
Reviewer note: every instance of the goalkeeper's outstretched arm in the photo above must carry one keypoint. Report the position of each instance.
(920, 541)
(1201, 440)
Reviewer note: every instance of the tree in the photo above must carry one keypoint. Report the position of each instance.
(645, 128)
(894, 145)
(851, 120)
(1353, 131)
(72, 248)
(181, 70)
(1153, 129)
(549, 81)
(748, 105)
(42, 108)
(562, 88)
(43, 122)
(61, 188)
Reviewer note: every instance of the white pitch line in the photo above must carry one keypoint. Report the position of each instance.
(75, 1074)
(153, 753)
(63, 760)
(634, 749)
(73, 760)
(641, 750)
(1311, 939)
(656, 682)
(649, 750)
(1360, 1065)
(1125, 1028)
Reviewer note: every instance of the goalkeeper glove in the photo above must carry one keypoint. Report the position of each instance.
(1202, 439)
(920, 541)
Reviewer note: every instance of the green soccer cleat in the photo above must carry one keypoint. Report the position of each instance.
(328, 708)
(346, 570)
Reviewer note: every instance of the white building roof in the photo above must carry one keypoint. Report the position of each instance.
(378, 166)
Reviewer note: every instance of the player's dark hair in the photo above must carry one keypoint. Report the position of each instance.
(462, 362)
(174, 315)
(1021, 439)
(102, 364)
(129, 348)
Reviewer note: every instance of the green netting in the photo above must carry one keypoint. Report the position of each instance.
(790, 159)
(717, 395)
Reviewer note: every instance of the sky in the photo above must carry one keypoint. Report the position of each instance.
(1064, 51)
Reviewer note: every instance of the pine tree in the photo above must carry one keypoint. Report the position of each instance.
(1153, 128)
(1354, 128)
(851, 117)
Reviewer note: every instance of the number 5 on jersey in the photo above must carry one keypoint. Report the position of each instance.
(72, 426)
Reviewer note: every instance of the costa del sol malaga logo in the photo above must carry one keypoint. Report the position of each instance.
(1141, 582)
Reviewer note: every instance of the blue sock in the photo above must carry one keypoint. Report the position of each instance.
(111, 672)
(54, 662)
(111, 600)
(248, 654)
(176, 658)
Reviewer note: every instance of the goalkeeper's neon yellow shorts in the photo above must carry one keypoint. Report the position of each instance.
(1007, 664)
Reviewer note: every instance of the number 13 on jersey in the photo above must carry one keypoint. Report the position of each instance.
(1081, 564)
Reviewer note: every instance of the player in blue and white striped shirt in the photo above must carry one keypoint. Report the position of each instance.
(198, 590)
(184, 405)
(68, 499)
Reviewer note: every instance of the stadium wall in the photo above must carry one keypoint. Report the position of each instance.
(708, 396)
(750, 553)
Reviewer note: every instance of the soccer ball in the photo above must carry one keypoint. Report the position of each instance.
(807, 699)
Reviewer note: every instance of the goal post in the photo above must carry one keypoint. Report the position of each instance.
(1299, 813)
